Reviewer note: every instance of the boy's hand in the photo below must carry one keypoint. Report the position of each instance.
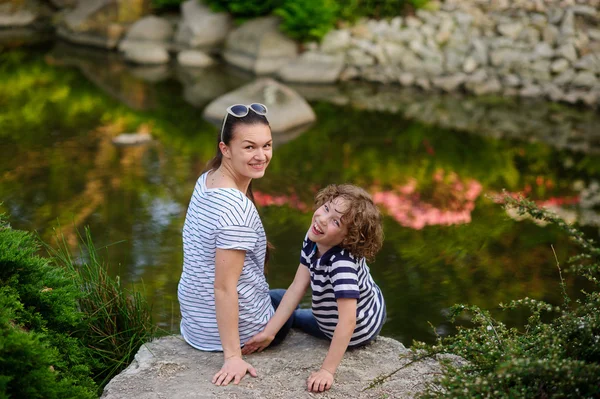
(257, 343)
(320, 381)
(234, 368)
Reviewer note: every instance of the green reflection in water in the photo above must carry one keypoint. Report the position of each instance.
(60, 168)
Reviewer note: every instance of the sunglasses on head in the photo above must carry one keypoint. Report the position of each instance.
(241, 110)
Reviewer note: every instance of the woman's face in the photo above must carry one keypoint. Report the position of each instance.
(250, 150)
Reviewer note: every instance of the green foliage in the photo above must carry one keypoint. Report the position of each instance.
(166, 4)
(119, 321)
(556, 355)
(353, 9)
(64, 331)
(40, 355)
(245, 8)
(307, 19)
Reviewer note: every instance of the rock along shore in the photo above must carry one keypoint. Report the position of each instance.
(528, 48)
(170, 368)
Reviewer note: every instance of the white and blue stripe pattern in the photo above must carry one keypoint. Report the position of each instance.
(221, 218)
(338, 274)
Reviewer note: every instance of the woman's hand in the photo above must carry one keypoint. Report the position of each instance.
(234, 368)
(320, 381)
(257, 343)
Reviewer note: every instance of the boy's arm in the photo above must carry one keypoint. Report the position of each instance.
(323, 379)
(288, 304)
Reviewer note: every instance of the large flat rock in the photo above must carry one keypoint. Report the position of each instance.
(288, 111)
(170, 368)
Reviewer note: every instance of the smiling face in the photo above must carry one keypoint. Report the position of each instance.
(250, 150)
(327, 229)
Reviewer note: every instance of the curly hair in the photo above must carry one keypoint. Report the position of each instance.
(362, 218)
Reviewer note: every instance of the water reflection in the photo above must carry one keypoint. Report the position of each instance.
(445, 241)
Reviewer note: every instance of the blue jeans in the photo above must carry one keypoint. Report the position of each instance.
(304, 320)
(301, 318)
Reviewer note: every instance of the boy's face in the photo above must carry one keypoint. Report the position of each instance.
(327, 229)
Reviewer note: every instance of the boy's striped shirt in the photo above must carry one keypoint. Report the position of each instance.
(338, 274)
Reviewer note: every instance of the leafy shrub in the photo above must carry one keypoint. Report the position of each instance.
(311, 20)
(244, 8)
(40, 355)
(353, 9)
(64, 331)
(166, 4)
(553, 357)
(307, 19)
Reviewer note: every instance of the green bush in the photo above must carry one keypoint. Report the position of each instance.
(306, 19)
(166, 4)
(66, 327)
(245, 8)
(555, 355)
(353, 9)
(310, 20)
(40, 353)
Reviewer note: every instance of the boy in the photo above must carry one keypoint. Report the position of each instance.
(347, 306)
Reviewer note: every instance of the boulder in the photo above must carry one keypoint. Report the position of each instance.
(585, 79)
(201, 27)
(194, 59)
(589, 62)
(560, 65)
(11, 17)
(98, 23)
(336, 41)
(357, 57)
(565, 77)
(287, 109)
(313, 67)
(567, 51)
(170, 368)
(511, 30)
(394, 52)
(449, 83)
(258, 46)
(147, 53)
(148, 29)
(406, 79)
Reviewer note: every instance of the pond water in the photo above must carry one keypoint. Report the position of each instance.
(430, 161)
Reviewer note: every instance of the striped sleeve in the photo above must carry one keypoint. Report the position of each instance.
(344, 278)
(236, 237)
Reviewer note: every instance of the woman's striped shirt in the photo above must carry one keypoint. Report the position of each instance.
(338, 274)
(221, 218)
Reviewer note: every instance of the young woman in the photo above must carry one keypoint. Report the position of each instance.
(223, 293)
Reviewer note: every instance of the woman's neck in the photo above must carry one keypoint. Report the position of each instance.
(225, 177)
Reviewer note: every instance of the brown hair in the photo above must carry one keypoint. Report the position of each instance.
(226, 135)
(362, 218)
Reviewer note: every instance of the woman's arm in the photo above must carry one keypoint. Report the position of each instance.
(323, 379)
(288, 304)
(228, 268)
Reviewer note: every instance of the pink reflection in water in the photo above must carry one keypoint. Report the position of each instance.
(452, 202)
(292, 200)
